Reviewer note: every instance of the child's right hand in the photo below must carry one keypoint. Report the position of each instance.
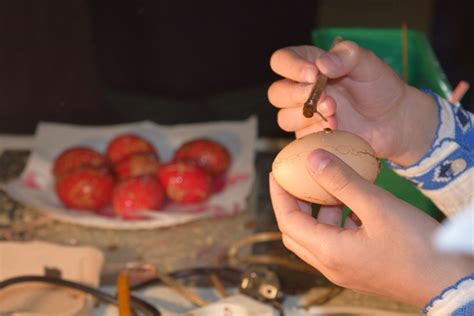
(364, 96)
(388, 254)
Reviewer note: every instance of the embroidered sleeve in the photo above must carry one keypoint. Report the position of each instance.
(456, 300)
(445, 173)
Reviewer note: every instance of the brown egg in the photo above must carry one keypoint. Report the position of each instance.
(289, 166)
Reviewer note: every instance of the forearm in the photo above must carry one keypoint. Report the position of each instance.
(419, 121)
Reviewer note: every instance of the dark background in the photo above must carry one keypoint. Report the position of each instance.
(101, 62)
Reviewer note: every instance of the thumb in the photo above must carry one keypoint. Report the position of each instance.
(344, 183)
(349, 59)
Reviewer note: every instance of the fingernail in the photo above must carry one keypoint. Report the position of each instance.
(309, 75)
(318, 160)
(330, 60)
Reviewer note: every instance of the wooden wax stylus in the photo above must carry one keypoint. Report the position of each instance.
(310, 106)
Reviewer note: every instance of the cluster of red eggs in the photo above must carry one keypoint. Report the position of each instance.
(129, 176)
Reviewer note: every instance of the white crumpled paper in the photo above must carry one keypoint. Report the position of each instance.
(35, 187)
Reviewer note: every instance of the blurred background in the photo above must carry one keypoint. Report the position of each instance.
(113, 61)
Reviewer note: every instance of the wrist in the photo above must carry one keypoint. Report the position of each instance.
(418, 126)
(456, 299)
(447, 276)
(435, 276)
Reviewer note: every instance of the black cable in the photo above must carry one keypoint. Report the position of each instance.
(137, 303)
(229, 274)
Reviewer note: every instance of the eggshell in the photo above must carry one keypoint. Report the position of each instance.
(289, 166)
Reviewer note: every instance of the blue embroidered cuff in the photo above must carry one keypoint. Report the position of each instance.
(451, 153)
(464, 305)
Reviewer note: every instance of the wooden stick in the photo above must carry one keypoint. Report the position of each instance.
(216, 282)
(181, 289)
(405, 52)
(123, 295)
(459, 91)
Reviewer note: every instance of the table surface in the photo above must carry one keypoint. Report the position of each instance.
(193, 244)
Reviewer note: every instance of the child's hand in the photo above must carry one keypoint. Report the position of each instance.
(364, 96)
(389, 254)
